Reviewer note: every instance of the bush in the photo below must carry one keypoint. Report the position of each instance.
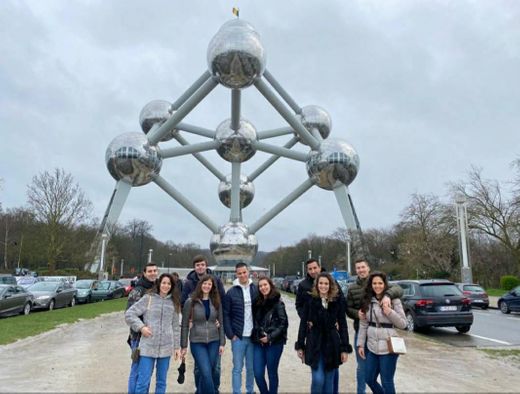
(508, 282)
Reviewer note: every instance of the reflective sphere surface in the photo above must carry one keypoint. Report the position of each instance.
(315, 117)
(131, 158)
(236, 145)
(233, 242)
(336, 162)
(247, 191)
(236, 55)
(156, 111)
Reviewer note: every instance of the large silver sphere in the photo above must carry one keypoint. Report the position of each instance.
(236, 56)
(156, 111)
(131, 158)
(336, 162)
(236, 145)
(247, 191)
(315, 117)
(233, 242)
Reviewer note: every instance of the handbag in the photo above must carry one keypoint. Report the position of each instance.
(394, 343)
(182, 371)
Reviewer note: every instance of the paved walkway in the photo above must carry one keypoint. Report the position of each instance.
(92, 356)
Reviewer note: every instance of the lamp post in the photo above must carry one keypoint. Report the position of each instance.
(104, 239)
(169, 257)
(122, 267)
(150, 251)
(462, 225)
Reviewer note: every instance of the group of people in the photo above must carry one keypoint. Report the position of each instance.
(163, 319)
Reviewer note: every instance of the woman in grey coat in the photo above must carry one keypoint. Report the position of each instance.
(160, 332)
(378, 326)
(202, 323)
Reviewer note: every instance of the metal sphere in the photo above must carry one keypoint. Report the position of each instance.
(233, 242)
(334, 163)
(236, 56)
(315, 117)
(156, 111)
(247, 191)
(131, 158)
(236, 145)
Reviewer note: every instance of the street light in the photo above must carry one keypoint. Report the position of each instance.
(462, 225)
(150, 251)
(104, 238)
(169, 257)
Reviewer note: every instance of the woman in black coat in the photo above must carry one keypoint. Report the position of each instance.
(323, 342)
(269, 335)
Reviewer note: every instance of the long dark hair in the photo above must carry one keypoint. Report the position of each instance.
(368, 293)
(174, 290)
(214, 295)
(273, 292)
(333, 288)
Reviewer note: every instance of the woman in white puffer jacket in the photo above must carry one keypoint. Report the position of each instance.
(379, 324)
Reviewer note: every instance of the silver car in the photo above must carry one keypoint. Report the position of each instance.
(50, 295)
(14, 299)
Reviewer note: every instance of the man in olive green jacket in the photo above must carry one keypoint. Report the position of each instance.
(354, 299)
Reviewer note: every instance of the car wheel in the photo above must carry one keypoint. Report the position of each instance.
(72, 302)
(504, 308)
(411, 322)
(26, 308)
(463, 329)
(51, 305)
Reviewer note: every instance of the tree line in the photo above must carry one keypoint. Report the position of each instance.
(54, 230)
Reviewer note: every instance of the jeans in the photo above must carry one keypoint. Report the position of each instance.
(216, 375)
(322, 380)
(361, 366)
(205, 356)
(267, 356)
(335, 383)
(144, 374)
(242, 349)
(383, 365)
(132, 378)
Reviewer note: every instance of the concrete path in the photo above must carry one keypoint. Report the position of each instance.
(92, 356)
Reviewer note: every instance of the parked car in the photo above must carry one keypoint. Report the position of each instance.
(7, 279)
(277, 281)
(510, 302)
(286, 284)
(14, 300)
(475, 293)
(50, 295)
(435, 303)
(84, 290)
(128, 284)
(106, 290)
(293, 288)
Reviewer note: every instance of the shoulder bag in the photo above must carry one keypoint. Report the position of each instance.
(395, 343)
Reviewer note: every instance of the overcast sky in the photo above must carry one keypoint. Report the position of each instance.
(421, 89)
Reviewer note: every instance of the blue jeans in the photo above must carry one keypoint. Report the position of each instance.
(335, 383)
(267, 356)
(132, 378)
(216, 375)
(385, 366)
(144, 374)
(205, 356)
(360, 369)
(322, 380)
(242, 349)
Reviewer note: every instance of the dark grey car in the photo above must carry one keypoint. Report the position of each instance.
(14, 300)
(50, 295)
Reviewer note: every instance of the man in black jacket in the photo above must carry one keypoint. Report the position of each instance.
(200, 268)
(143, 285)
(354, 299)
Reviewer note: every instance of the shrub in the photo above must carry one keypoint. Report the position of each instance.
(508, 282)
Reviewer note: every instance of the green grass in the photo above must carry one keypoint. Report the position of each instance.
(496, 292)
(513, 354)
(19, 327)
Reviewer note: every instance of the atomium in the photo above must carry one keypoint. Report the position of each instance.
(236, 145)
(335, 163)
(131, 158)
(236, 55)
(247, 191)
(236, 59)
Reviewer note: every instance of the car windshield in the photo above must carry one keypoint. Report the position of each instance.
(125, 282)
(440, 290)
(103, 286)
(26, 281)
(82, 284)
(474, 288)
(43, 286)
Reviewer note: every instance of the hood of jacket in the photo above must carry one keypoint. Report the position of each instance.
(143, 282)
(237, 283)
(361, 281)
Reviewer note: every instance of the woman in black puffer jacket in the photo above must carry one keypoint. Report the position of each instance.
(323, 337)
(269, 335)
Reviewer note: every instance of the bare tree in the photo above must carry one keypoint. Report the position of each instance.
(60, 205)
(491, 211)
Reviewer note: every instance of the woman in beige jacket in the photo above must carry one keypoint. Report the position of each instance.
(379, 324)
